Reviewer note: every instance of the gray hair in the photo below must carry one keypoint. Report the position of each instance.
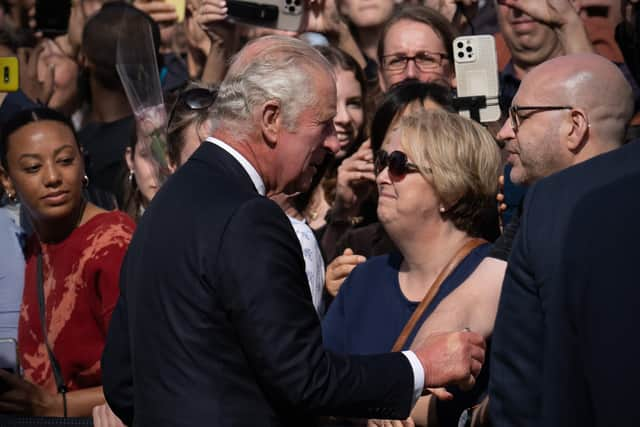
(268, 68)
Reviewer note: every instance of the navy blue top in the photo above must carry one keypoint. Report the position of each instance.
(370, 310)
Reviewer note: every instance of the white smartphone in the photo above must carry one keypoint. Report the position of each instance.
(476, 66)
(285, 15)
(9, 355)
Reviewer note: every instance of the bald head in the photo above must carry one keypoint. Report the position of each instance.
(588, 82)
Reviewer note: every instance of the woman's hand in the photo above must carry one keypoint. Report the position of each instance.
(352, 173)
(339, 269)
(22, 397)
(39, 90)
(103, 416)
(211, 16)
(391, 423)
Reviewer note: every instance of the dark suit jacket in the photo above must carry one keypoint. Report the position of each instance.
(523, 334)
(215, 324)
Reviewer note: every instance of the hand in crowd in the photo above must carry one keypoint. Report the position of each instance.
(159, 10)
(103, 416)
(35, 88)
(22, 397)
(354, 171)
(551, 12)
(339, 269)
(391, 423)
(448, 9)
(323, 17)
(452, 358)
(210, 15)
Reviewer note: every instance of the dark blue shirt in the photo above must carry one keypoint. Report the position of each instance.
(370, 310)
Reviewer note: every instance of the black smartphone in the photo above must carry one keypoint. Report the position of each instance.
(52, 17)
(288, 15)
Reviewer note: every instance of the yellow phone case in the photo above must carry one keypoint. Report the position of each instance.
(180, 8)
(9, 74)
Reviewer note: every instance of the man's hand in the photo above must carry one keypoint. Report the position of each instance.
(554, 13)
(339, 269)
(22, 397)
(453, 358)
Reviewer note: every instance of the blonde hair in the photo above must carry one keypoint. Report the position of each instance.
(458, 157)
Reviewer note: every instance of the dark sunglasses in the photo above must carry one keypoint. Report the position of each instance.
(397, 163)
(194, 99)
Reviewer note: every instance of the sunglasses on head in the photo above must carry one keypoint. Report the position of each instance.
(397, 162)
(194, 99)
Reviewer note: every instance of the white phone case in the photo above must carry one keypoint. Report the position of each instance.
(476, 66)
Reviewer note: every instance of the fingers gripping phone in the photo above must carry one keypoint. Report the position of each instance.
(285, 15)
(476, 67)
(9, 74)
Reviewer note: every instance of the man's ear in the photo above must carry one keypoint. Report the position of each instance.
(579, 130)
(271, 121)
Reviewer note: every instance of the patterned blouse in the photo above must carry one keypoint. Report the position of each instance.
(81, 289)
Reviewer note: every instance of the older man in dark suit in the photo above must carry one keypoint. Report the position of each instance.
(571, 106)
(215, 325)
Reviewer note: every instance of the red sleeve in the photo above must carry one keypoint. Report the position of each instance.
(111, 240)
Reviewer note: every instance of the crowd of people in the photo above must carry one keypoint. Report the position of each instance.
(311, 234)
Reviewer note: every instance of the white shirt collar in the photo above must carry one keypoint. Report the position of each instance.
(248, 167)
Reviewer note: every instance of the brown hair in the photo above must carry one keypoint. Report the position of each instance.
(426, 15)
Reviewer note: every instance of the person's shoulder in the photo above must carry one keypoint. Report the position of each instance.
(107, 226)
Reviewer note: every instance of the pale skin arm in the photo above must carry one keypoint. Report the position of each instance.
(472, 305)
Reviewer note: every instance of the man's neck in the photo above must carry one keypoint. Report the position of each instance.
(522, 66)
(108, 105)
(248, 150)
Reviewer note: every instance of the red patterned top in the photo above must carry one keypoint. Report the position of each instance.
(81, 288)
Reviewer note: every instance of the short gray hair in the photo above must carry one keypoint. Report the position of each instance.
(279, 71)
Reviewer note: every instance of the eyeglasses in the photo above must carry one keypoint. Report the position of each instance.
(516, 120)
(425, 61)
(397, 163)
(195, 99)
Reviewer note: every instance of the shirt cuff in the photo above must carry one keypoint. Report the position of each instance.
(418, 375)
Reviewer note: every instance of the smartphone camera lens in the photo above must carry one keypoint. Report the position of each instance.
(460, 54)
(460, 45)
(469, 49)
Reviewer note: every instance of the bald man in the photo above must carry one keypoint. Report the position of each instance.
(587, 104)
(568, 111)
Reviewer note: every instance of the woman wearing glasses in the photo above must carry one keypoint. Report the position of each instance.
(435, 172)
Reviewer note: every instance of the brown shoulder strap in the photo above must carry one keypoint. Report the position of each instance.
(433, 290)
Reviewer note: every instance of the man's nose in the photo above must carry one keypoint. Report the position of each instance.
(331, 142)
